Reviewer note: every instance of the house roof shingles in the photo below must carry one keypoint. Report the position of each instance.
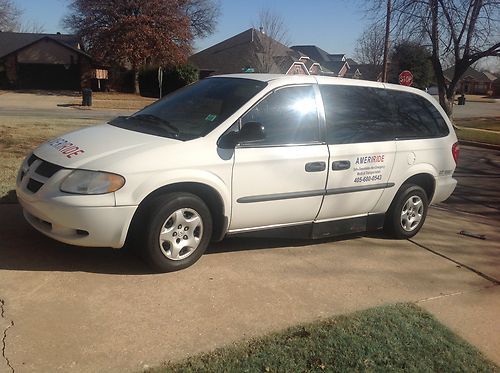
(471, 73)
(13, 41)
(246, 50)
(333, 62)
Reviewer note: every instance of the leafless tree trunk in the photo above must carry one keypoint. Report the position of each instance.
(386, 41)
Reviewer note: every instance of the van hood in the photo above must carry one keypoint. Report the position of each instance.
(85, 146)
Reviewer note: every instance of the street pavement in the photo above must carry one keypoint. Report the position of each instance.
(477, 110)
(52, 106)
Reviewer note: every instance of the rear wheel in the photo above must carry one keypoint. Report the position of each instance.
(407, 212)
(176, 232)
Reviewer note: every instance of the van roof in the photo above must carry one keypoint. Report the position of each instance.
(320, 79)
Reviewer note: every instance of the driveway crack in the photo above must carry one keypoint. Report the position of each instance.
(479, 273)
(4, 335)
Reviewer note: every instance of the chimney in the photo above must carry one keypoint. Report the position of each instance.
(261, 29)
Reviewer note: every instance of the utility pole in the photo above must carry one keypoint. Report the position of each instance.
(386, 41)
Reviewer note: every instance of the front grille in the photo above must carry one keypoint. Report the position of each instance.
(43, 171)
(32, 159)
(47, 169)
(33, 185)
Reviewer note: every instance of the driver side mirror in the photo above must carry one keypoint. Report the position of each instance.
(250, 131)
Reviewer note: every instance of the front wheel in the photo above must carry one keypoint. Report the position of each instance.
(407, 212)
(176, 232)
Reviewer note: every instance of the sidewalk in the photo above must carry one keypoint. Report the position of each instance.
(473, 316)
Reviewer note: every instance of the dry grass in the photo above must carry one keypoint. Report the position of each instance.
(20, 135)
(116, 100)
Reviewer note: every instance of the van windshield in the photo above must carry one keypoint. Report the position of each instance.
(193, 111)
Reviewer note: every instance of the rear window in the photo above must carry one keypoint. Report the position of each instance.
(416, 117)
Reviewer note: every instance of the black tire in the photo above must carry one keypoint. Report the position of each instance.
(405, 220)
(160, 216)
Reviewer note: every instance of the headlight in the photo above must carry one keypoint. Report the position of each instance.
(91, 182)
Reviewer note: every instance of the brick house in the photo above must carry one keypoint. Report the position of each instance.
(46, 61)
(335, 64)
(253, 51)
(472, 81)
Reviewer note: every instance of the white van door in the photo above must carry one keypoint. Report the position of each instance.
(280, 180)
(362, 149)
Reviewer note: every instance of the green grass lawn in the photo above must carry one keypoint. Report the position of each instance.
(20, 135)
(485, 130)
(396, 338)
(491, 124)
(469, 134)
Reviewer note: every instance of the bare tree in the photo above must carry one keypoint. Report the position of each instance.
(32, 26)
(273, 38)
(370, 45)
(203, 15)
(463, 31)
(9, 16)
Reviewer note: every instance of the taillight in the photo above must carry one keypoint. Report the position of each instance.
(455, 150)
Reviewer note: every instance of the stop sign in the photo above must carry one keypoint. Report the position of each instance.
(406, 78)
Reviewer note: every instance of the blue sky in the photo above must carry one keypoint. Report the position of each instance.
(333, 25)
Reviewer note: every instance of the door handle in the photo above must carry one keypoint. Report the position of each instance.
(315, 166)
(341, 165)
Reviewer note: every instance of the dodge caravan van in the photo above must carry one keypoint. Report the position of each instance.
(237, 154)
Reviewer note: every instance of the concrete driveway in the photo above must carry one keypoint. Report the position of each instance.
(89, 310)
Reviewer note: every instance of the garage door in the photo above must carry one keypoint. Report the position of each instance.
(45, 76)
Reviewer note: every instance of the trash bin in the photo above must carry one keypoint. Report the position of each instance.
(86, 97)
(461, 100)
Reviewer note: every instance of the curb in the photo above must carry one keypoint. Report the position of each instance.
(479, 144)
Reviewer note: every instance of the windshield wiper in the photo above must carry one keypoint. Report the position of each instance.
(154, 119)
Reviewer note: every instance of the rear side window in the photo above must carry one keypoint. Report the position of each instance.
(289, 116)
(416, 117)
(357, 114)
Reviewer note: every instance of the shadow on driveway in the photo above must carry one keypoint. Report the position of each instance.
(22, 248)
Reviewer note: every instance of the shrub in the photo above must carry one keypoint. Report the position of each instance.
(173, 79)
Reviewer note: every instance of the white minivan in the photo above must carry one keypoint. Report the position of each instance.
(305, 156)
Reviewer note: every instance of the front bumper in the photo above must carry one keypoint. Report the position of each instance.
(77, 225)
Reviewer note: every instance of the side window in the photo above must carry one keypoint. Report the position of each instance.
(357, 114)
(289, 116)
(416, 117)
